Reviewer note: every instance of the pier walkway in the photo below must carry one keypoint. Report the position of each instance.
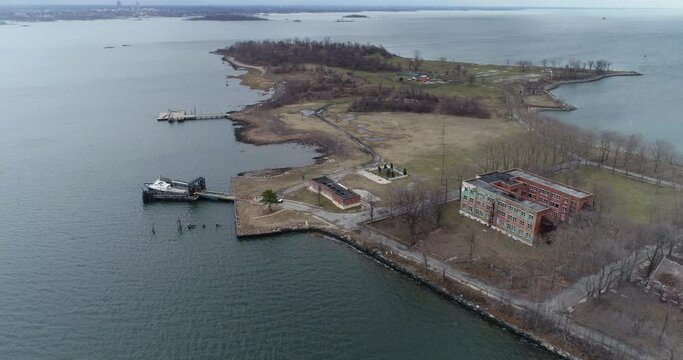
(182, 115)
(215, 196)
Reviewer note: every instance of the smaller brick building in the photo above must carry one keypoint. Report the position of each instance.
(340, 196)
(520, 204)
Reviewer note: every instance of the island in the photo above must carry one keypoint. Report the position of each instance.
(410, 172)
(356, 16)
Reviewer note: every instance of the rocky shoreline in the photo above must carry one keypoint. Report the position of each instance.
(377, 255)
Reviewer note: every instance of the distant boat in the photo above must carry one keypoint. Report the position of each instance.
(604, 18)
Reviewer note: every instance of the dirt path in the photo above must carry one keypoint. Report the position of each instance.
(237, 64)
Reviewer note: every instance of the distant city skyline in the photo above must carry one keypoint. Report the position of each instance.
(483, 3)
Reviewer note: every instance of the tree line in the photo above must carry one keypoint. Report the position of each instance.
(549, 146)
(572, 66)
(323, 84)
(347, 55)
(414, 99)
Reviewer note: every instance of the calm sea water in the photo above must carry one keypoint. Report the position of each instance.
(81, 275)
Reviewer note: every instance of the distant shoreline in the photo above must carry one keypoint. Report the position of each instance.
(227, 17)
(49, 13)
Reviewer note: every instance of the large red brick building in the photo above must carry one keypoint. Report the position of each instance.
(520, 204)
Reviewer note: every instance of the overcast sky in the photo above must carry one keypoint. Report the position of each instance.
(548, 3)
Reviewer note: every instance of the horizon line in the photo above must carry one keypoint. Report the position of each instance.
(360, 8)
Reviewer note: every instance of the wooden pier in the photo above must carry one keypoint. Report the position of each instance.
(215, 196)
(182, 115)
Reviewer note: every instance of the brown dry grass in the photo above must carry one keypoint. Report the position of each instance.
(256, 218)
(308, 197)
(448, 243)
(254, 80)
(541, 101)
(414, 141)
(403, 137)
(619, 312)
(355, 181)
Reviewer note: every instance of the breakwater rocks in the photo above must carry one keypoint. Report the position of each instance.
(383, 258)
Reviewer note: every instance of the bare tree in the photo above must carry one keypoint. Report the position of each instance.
(659, 152)
(524, 65)
(642, 160)
(603, 197)
(372, 202)
(598, 283)
(632, 145)
(437, 200)
(471, 239)
(417, 61)
(605, 144)
(587, 141)
(617, 147)
(411, 204)
(512, 101)
(659, 235)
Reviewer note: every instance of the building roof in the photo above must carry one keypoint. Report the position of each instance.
(343, 192)
(497, 176)
(491, 188)
(549, 183)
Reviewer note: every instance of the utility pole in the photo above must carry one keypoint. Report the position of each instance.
(443, 150)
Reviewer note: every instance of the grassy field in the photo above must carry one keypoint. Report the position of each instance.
(255, 218)
(308, 197)
(633, 198)
(489, 79)
(414, 141)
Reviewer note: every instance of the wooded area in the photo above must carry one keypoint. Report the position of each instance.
(347, 55)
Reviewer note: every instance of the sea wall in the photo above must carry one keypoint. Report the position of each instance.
(380, 257)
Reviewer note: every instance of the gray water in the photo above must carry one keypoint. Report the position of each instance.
(83, 277)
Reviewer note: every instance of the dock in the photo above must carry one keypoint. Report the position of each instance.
(175, 190)
(215, 196)
(182, 115)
